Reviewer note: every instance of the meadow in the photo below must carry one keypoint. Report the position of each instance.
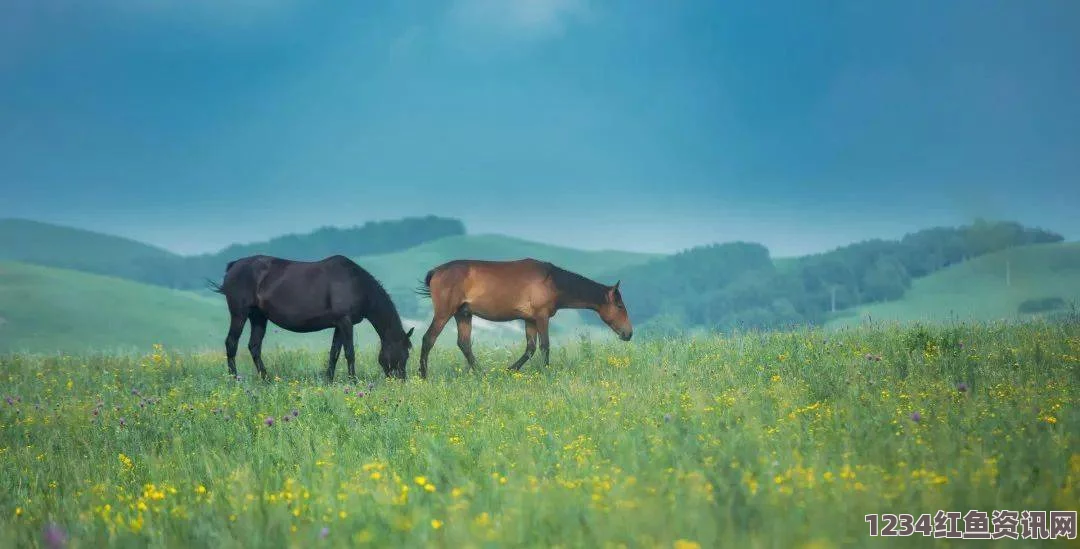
(779, 439)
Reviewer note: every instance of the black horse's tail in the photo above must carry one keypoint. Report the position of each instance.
(425, 288)
(214, 286)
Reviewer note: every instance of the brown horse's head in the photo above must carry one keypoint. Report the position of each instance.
(394, 354)
(613, 312)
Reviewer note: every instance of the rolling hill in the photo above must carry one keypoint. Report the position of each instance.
(50, 310)
(977, 289)
(407, 267)
(45, 309)
(81, 250)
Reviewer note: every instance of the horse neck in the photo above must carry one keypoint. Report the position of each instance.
(578, 292)
(384, 318)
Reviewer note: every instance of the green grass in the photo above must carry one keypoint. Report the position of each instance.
(977, 290)
(758, 440)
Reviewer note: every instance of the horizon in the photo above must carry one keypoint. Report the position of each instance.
(578, 123)
(468, 232)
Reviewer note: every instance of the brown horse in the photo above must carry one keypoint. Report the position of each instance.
(501, 291)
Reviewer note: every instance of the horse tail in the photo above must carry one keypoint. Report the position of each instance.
(425, 288)
(214, 286)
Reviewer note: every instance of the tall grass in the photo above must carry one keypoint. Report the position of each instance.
(755, 440)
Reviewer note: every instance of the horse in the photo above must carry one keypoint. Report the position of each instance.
(501, 291)
(309, 296)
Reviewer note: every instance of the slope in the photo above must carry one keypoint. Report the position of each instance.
(991, 287)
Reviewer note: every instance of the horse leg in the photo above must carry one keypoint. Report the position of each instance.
(464, 337)
(258, 330)
(530, 345)
(545, 342)
(335, 351)
(346, 328)
(236, 327)
(437, 323)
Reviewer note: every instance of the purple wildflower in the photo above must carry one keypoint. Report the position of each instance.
(269, 422)
(962, 387)
(667, 418)
(324, 532)
(135, 392)
(295, 412)
(123, 422)
(286, 418)
(359, 393)
(10, 401)
(370, 385)
(916, 417)
(54, 536)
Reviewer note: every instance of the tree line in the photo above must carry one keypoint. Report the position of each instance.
(738, 284)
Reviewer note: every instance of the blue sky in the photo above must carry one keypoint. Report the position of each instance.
(634, 125)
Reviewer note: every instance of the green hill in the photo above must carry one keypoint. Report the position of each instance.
(45, 309)
(81, 250)
(977, 289)
(407, 267)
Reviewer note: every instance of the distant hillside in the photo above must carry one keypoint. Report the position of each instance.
(81, 250)
(738, 285)
(55, 246)
(49, 310)
(992, 287)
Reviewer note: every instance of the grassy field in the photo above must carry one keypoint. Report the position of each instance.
(756, 440)
(977, 289)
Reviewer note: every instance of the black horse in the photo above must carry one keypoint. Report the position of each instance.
(308, 296)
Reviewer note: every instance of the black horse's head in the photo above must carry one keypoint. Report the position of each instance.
(394, 354)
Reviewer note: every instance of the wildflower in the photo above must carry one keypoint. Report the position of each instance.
(667, 418)
(18, 511)
(360, 393)
(420, 481)
(126, 462)
(286, 418)
(122, 422)
(10, 401)
(1051, 420)
(436, 524)
(775, 378)
(869, 357)
(200, 489)
(54, 536)
(295, 412)
(962, 387)
(269, 421)
(916, 416)
(370, 386)
(686, 544)
(324, 532)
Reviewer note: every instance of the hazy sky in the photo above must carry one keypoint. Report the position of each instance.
(600, 124)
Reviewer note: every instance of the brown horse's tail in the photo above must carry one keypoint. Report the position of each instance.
(425, 288)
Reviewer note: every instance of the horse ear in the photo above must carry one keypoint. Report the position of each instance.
(616, 286)
(408, 334)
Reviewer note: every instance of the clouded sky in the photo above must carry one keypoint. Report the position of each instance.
(600, 124)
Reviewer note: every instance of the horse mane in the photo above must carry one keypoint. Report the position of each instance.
(576, 286)
(381, 304)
